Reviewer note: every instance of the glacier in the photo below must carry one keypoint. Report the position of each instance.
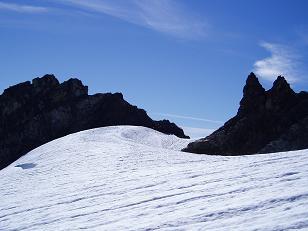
(135, 178)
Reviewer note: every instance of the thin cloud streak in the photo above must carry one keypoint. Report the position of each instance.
(189, 118)
(282, 61)
(22, 8)
(196, 133)
(165, 16)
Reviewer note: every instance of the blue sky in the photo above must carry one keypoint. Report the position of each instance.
(186, 61)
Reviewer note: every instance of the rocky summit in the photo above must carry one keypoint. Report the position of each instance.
(267, 121)
(34, 113)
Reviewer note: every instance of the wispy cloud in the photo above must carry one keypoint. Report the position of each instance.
(22, 8)
(165, 16)
(282, 61)
(188, 118)
(196, 133)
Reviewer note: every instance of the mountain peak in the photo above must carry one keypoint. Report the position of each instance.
(281, 84)
(48, 79)
(45, 83)
(267, 121)
(252, 79)
(74, 87)
(253, 95)
(280, 96)
(252, 83)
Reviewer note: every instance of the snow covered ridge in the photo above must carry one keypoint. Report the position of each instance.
(34, 113)
(134, 178)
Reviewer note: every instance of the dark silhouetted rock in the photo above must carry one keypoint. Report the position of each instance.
(32, 114)
(267, 121)
(254, 96)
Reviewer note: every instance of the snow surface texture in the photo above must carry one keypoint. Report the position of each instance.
(132, 178)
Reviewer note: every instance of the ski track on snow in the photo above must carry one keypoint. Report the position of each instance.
(134, 178)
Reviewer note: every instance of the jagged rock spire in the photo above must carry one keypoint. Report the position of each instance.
(280, 95)
(252, 85)
(281, 85)
(253, 95)
(267, 121)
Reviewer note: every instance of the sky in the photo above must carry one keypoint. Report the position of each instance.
(186, 61)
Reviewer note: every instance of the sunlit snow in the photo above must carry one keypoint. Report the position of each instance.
(134, 178)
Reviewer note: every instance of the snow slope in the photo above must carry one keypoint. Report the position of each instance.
(133, 178)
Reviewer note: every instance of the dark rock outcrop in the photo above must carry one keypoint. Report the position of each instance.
(32, 114)
(267, 121)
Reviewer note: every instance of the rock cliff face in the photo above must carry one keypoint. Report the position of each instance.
(267, 121)
(32, 114)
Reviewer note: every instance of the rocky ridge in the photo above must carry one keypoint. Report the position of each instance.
(267, 121)
(34, 113)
